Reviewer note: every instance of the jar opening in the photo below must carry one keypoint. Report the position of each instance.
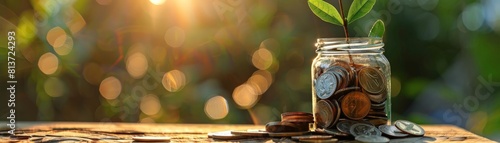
(373, 44)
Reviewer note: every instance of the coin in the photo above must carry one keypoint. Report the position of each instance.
(344, 91)
(287, 134)
(371, 139)
(364, 129)
(457, 138)
(378, 122)
(327, 113)
(377, 98)
(225, 135)
(253, 133)
(281, 127)
(295, 114)
(333, 131)
(150, 139)
(326, 84)
(342, 76)
(391, 131)
(372, 80)
(333, 140)
(345, 125)
(355, 105)
(311, 137)
(20, 136)
(409, 127)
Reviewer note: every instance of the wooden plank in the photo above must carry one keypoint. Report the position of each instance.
(193, 132)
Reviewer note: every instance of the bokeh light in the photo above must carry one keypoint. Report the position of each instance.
(395, 86)
(173, 80)
(110, 88)
(54, 87)
(157, 2)
(245, 96)
(262, 59)
(216, 108)
(104, 2)
(137, 65)
(175, 36)
(56, 37)
(66, 47)
(473, 17)
(48, 63)
(150, 105)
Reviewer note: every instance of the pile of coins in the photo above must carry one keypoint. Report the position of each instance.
(347, 92)
(291, 122)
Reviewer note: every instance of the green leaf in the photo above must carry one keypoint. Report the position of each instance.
(325, 12)
(359, 8)
(378, 29)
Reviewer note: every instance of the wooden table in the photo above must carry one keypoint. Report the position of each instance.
(123, 132)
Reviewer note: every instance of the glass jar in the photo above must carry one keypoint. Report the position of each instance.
(350, 84)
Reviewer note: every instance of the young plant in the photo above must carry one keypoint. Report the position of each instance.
(358, 9)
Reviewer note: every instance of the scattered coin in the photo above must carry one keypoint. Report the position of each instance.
(326, 84)
(332, 140)
(295, 114)
(20, 136)
(457, 138)
(151, 139)
(355, 105)
(287, 134)
(311, 137)
(372, 80)
(333, 131)
(252, 133)
(225, 135)
(371, 139)
(391, 131)
(409, 127)
(364, 129)
(281, 127)
(345, 125)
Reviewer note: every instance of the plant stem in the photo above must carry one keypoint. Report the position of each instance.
(346, 31)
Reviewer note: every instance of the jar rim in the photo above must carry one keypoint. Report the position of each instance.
(350, 44)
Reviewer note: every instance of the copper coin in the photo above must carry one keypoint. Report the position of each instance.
(391, 131)
(326, 84)
(377, 121)
(344, 91)
(378, 98)
(281, 127)
(225, 135)
(409, 127)
(372, 80)
(364, 129)
(327, 113)
(355, 105)
(295, 114)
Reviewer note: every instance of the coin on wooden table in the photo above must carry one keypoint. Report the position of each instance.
(391, 131)
(345, 125)
(364, 129)
(311, 137)
(326, 84)
(377, 122)
(355, 105)
(151, 139)
(409, 127)
(372, 80)
(333, 131)
(252, 133)
(295, 114)
(297, 117)
(287, 134)
(327, 113)
(20, 136)
(371, 139)
(281, 127)
(225, 135)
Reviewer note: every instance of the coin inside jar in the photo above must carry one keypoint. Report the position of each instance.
(327, 113)
(326, 84)
(372, 80)
(355, 105)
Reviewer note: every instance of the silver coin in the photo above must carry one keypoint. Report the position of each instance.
(409, 127)
(336, 132)
(364, 129)
(371, 139)
(225, 135)
(345, 125)
(391, 131)
(326, 84)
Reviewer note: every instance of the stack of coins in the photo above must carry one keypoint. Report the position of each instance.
(349, 93)
(291, 122)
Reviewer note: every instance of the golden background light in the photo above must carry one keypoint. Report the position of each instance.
(110, 88)
(48, 63)
(259, 83)
(104, 2)
(262, 59)
(56, 37)
(216, 108)
(75, 22)
(150, 105)
(54, 87)
(157, 2)
(173, 80)
(66, 47)
(137, 65)
(245, 96)
(175, 37)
